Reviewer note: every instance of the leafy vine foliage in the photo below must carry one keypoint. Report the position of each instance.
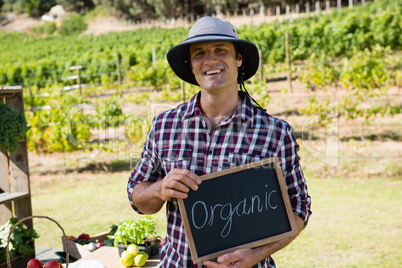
(13, 127)
(352, 49)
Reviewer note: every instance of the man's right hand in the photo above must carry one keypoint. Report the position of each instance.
(149, 196)
(177, 183)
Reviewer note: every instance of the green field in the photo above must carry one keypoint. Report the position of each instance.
(355, 223)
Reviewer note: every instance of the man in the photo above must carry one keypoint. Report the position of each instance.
(218, 128)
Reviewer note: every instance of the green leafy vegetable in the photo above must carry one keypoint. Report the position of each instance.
(20, 240)
(129, 232)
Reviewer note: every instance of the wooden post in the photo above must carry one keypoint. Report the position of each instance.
(317, 7)
(153, 56)
(79, 80)
(297, 9)
(6, 209)
(350, 3)
(278, 10)
(118, 68)
(78, 68)
(339, 4)
(262, 11)
(288, 60)
(308, 9)
(328, 5)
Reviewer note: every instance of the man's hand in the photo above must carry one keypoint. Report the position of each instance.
(246, 258)
(149, 196)
(177, 183)
(241, 258)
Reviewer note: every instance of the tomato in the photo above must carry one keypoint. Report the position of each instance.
(34, 263)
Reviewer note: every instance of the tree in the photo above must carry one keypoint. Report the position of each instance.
(79, 6)
(36, 8)
(72, 24)
(131, 9)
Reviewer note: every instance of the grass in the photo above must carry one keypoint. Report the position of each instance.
(355, 222)
(83, 203)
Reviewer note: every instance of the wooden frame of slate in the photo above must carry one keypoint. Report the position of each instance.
(241, 207)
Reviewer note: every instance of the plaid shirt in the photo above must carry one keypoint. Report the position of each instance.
(180, 138)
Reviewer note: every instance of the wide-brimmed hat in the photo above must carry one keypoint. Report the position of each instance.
(212, 29)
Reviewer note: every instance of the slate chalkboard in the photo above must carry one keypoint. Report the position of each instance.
(242, 207)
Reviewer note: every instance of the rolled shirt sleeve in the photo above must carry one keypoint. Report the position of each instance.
(148, 167)
(294, 177)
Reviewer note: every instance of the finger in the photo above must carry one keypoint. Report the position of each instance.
(187, 178)
(190, 175)
(211, 264)
(177, 184)
(227, 259)
(168, 194)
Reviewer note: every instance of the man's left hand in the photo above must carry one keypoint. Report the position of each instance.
(241, 258)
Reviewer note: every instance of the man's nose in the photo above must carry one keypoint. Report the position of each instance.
(210, 58)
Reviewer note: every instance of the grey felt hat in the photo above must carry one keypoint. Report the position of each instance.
(212, 29)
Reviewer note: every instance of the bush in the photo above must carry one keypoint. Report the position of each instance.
(73, 24)
(367, 69)
(48, 28)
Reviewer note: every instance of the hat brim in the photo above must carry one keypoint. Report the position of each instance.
(178, 60)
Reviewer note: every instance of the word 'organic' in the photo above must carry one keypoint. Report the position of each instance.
(203, 215)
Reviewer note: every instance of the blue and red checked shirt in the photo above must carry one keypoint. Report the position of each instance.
(180, 138)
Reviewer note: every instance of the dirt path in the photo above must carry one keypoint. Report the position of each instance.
(105, 24)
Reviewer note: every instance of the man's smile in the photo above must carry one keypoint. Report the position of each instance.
(212, 72)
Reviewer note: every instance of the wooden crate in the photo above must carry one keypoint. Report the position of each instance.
(15, 193)
(78, 251)
(17, 262)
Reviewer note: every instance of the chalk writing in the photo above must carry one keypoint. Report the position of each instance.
(203, 215)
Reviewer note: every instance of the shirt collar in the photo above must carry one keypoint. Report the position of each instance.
(246, 111)
(192, 107)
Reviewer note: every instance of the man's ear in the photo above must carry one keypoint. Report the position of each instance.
(239, 60)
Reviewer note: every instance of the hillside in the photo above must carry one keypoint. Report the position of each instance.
(106, 24)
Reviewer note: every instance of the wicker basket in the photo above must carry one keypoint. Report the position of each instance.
(29, 218)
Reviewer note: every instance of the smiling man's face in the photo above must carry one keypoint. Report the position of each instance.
(215, 65)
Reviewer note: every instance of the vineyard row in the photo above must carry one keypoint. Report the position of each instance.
(363, 42)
